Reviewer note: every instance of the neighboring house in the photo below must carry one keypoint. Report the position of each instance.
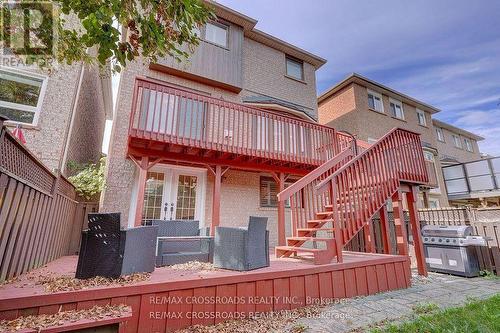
(62, 115)
(456, 145)
(471, 179)
(368, 110)
(216, 137)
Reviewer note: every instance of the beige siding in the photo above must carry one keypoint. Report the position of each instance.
(215, 62)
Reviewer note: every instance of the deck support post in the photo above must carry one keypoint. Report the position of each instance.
(280, 179)
(369, 237)
(399, 223)
(385, 229)
(281, 211)
(216, 199)
(412, 198)
(143, 171)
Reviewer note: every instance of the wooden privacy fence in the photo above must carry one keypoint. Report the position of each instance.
(37, 210)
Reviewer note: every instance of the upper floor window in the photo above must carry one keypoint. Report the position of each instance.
(456, 141)
(468, 145)
(216, 33)
(294, 68)
(440, 134)
(421, 118)
(21, 95)
(396, 109)
(375, 101)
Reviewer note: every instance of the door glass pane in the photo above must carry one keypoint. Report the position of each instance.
(186, 197)
(153, 195)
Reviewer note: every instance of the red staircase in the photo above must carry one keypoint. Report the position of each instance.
(332, 203)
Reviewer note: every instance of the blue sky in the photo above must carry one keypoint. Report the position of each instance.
(443, 52)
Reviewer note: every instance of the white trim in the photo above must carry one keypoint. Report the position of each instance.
(440, 130)
(202, 183)
(400, 104)
(379, 95)
(36, 109)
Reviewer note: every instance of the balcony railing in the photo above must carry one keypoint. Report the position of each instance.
(175, 116)
(477, 177)
(431, 171)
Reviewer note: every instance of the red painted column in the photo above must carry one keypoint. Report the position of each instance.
(385, 229)
(216, 199)
(399, 223)
(143, 171)
(415, 229)
(281, 211)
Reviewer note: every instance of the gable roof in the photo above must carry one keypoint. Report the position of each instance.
(451, 128)
(248, 25)
(361, 80)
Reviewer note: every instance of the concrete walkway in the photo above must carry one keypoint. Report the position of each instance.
(358, 313)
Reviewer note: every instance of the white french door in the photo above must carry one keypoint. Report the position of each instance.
(174, 193)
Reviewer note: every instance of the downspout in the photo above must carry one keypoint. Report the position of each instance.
(69, 129)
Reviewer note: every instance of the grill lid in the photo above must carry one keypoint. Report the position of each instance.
(447, 231)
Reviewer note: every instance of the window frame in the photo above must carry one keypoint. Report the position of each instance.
(396, 103)
(422, 113)
(217, 24)
(35, 109)
(375, 94)
(468, 144)
(298, 61)
(456, 139)
(440, 130)
(269, 180)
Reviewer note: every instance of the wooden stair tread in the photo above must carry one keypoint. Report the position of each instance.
(315, 229)
(317, 239)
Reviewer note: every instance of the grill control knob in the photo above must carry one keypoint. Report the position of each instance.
(447, 241)
(432, 239)
(440, 240)
(454, 241)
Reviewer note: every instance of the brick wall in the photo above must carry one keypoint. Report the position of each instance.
(264, 70)
(240, 199)
(263, 73)
(448, 148)
(85, 140)
(46, 138)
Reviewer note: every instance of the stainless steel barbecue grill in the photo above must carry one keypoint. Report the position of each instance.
(451, 249)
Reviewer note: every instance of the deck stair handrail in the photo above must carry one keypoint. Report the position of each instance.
(175, 116)
(355, 191)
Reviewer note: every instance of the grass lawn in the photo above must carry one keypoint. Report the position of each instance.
(475, 316)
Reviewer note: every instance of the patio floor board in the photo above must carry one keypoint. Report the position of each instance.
(286, 284)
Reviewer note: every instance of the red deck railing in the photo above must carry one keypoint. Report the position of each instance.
(356, 187)
(175, 116)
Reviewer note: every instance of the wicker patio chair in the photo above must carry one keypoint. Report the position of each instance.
(106, 250)
(242, 249)
(181, 241)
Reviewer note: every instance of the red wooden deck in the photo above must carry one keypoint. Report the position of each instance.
(173, 299)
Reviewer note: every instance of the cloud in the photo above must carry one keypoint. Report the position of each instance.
(445, 53)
